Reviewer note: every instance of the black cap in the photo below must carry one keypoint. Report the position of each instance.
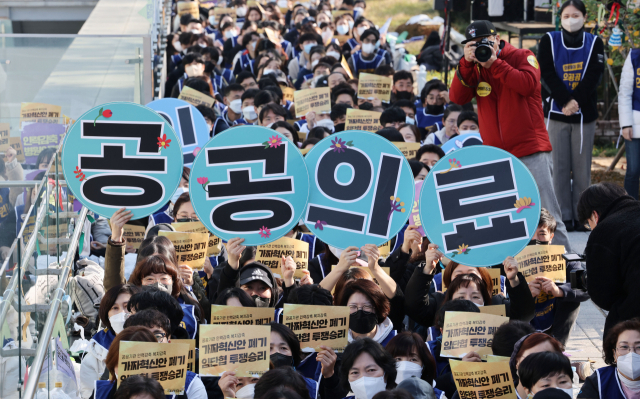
(552, 393)
(479, 29)
(250, 273)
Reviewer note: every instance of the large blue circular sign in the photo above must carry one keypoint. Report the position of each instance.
(362, 189)
(122, 155)
(187, 122)
(461, 141)
(249, 182)
(480, 205)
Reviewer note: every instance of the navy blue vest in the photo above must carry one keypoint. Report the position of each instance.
(609, 384)
(425, 120)
(635, 61)
(360, 65)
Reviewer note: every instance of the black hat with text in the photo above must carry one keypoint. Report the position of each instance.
(479, 29)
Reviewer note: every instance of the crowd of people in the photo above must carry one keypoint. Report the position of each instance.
(248, 60)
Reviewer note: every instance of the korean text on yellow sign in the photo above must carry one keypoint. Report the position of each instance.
(368, 121)
(215, 243)
(372, 86)
(543, 261)
(317, 100)
(318, 325)
(241, 349)
(221, 314)
(464, 332)
(191, 248)
(134, 235)
(483, 380)
(191, 357)
(409, 150)
(271, 254)
(195, 98)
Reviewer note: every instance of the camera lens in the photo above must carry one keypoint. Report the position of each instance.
(483, 52)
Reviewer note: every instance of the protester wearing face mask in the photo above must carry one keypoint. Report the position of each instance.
(245, 60)
(621, 352)
(305, 73)
(113, 313)
(393, 117)
(468, 122)
(193, 66)
(434, 98)
(241, 12)
(366, 369)
(546, 370)
(342, 28)
(313, 119)
(450, 126)
(237, 387)
(367, 59)
(233, 100)
(402, 83)
(354, 44)
(526, 346)
(302, 60)
(165, 214)
(412, 357)
(249, 115)
(571, 112)
(271, 113)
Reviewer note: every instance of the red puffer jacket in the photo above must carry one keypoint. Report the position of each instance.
(510, 109)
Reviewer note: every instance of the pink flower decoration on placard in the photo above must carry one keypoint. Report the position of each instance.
(453, 164)
(265, 232)
(273, 142)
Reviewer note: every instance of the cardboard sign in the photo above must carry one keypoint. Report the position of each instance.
(318, 325)
(288, 93)
(345, 65)
(249, 182)
(543, 261)
(39, 113)
(194, 97)
(221, 314)
(191, 248)
(189, 124)
(362, 120)
(16, 144)
(5, 129)
(385, 250)
(273, 38)
(215, 243)
(409, 150)
(122, 154)
(497, 281)
(165, 363)
(222, 11)
(460, 141)
(414, 216)
(37, 137)
(483, 380)
(338, 13)
(495, 358)
(464, 332)
(191, 358)
(342, 39)
(361, 190)
(134, 235)
(271, 255)
(189, 7)
(317, 100)
(372, 86)
(241, 349)
(498, 310)
(480, 205)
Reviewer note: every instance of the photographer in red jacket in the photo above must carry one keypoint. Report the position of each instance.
(506, 84)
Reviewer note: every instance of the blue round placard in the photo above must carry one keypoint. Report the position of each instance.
(187, 122)
(480, 205)
(122, 154)
(461, 141)
(249, 182)
(362, 189)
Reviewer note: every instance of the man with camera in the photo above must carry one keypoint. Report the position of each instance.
(613, 250)
(506, 83)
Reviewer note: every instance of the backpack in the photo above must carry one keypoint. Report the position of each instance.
(87, 288)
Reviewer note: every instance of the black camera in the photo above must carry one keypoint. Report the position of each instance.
(577, 277)
(484, 49)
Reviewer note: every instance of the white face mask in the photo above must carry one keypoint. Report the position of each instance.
(407, 370)
(314, 63)
(194, 70)
(478, 305)
(350, 22)
(367, 387)
(335, 251)
(196, 31)
(568, 391)
(253, 46)
(269, 125)
(328, 123)
(212, 20)
(358, 10)
(335, 55)
(117, 321)
(410, 121)
(326, 35)
(368, 48)
(249, 113)
(342, 29)
(469, 131)
(572, 24)
(283, 3)
(236, 106)
(241, 11)
(361, 30)
(267, 71)
(177, 46)
(178, 193)
(629, 365)
(220, 60)
(229, 34)
(203, 45)
(246, 392)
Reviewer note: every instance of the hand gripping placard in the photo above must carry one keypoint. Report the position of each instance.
(122, 155)
(249, 182)
(480, 204)
(361, 189)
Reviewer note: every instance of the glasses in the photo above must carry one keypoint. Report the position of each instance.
(624, 349)
(365, 308)
(187, 220)
(160, 336)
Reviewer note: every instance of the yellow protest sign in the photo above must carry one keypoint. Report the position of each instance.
(165, 363)
(345, 65)
(362, 120)
(16, 144)
(4, 136)
(372, 86)
(318, 325)
(317, 100)
(189, 7)
(483, 380)
(409, 150)
(271, 254)
(494, 358)
(195, 98)
(273, 38)
(221, 314)
(191, 358)
(337, 13)
(215, 243)
(134, 235)
(191, 248)
(543, 261)
(39, 113)
(241, 349)
(222, 11)
(287, 94)
(498, 310)
(464, 332)
(497, 281)
(385, 250)
(342, 39)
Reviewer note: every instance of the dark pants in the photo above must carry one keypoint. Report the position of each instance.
(632, 177)
(564, 319)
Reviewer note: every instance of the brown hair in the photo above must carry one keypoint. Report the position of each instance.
(158, 264)
(464, 280)
(611, 340)
(448, 272)
(182, 199)
(536, 339)
(353, 273)
(110, 298)
(371, 290)
(547, 220)
(136, 334)
(406, 342)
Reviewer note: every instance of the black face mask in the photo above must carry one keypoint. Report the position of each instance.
(280, 360)
(361, 322)
(536, 242)
(260, 302)
(339, 127)
(405, 95)
(435, 109)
